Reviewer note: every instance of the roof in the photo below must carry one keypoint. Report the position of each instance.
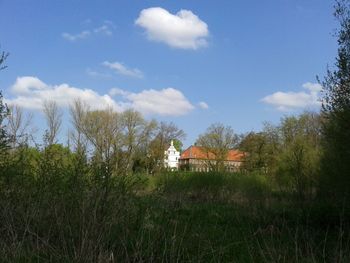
(196, 152)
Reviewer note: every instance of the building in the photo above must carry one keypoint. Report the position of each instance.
(195, 158)
(171, 157)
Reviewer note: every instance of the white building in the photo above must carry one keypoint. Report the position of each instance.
(171, 157)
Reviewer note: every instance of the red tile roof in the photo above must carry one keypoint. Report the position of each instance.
(196, 152)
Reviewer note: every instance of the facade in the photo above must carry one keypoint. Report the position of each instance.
(197, 159)
(172, 156)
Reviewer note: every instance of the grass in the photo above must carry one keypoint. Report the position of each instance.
(171, 217)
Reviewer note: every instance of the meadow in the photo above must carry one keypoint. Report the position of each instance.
(70, 216)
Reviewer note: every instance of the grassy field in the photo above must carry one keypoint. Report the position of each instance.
(171, 217)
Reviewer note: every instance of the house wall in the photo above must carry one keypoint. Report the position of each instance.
(199, 165)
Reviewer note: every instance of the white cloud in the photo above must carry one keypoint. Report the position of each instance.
(166, 102)
(203, 105)
(182, 30)
(81, 35)
(25, 85)
(287, 101)
(30, 92)
(105, 29)
(120, 68)
(117, 92)
(312, 87)
(97, 74)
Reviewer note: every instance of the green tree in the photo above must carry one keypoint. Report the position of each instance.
(165, 132)
(335, 179)
(298, 159)
(255, 145)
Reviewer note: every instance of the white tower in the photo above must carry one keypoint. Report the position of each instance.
(171, 157)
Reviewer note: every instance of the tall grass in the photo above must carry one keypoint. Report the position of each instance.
(224, 187)
(74, 213)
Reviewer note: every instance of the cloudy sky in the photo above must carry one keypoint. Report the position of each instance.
(190, 62)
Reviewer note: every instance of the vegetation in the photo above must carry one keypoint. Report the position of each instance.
(97, 200)
(105, 197)
(336, 111)
(216, 142)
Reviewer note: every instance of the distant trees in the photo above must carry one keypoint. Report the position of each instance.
(336, 111)
(299, 156)
(17, 126)
(288, 152)
(53, 117)
(217, 140)
(164, 133)
(256, 145)
(123, 142)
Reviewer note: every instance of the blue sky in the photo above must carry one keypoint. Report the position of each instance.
(237, 62)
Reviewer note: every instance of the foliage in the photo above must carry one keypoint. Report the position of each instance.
(260, 151)
(3, 135)
(298, 160)
(335, 180)
(164, 133)
(217, 141)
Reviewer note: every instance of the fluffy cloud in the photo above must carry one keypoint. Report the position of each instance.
(182, 30)
(105, 29)
(166, 102)
(120, 68)
(286, 101)
(203, 105)
(30, 92)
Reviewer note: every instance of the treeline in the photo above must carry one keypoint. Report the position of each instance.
(289, 152)
(87, 200)
(121, 142)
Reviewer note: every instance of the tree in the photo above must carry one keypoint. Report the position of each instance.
(256, 146)
(103, 130)
(3, 108)
(137, 133)
(3, 115)
(78, 112)
(53, 117)
(165, 132)
(299, 156)
(17, 126)
(3, 57)
(335, 179)
(217, 141)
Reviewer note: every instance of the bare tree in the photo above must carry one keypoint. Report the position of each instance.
(3, 57)
(164, 134)
(216, 142)
(137, 132)
(102, 129)
(78, 111)
(53, 117)
(18, 125)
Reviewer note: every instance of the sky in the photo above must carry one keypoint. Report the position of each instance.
(194, 63)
